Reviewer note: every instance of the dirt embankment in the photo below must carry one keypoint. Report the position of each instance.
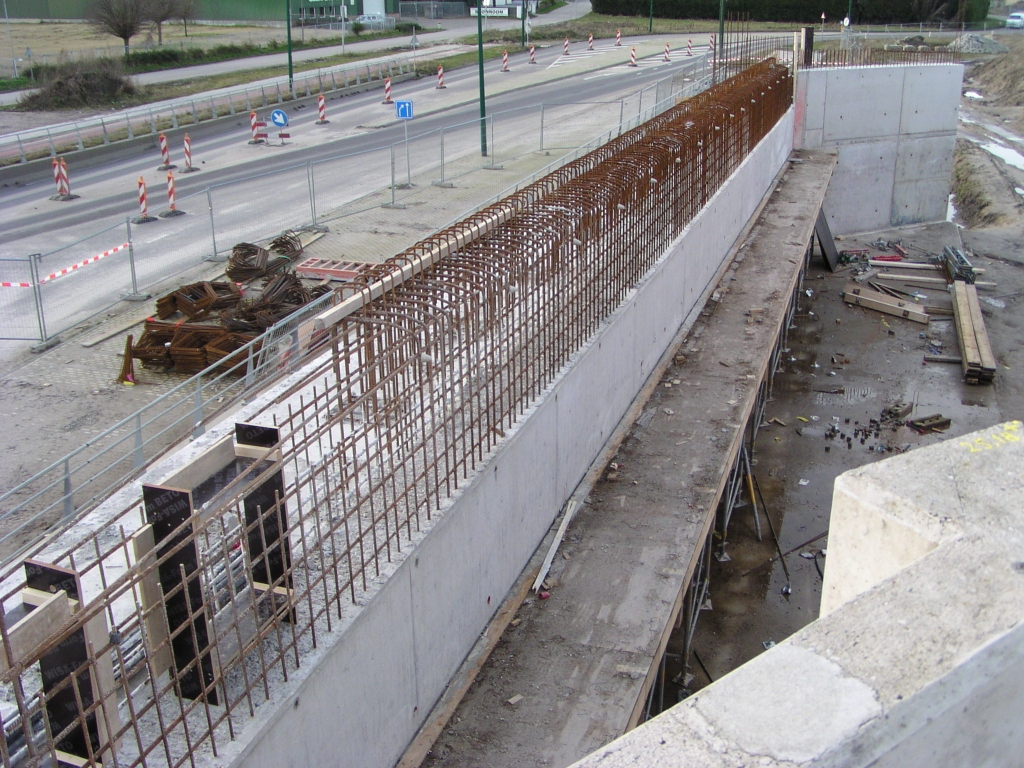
(1001, 79)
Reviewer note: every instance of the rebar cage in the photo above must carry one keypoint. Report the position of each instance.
(184, 624)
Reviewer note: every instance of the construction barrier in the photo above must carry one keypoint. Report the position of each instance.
(667, 57)
(533, 59)
(440, 77)
(321, 109)
(257, 126)
(172, 209)
(618, 37)
(187, 145)
(387, 91)
(711, 45)
(165, 153)
(60, 179)
(565, 47)
(632, 57)
(689, 47)
(590, 41)
(143, 217)
(504, 62)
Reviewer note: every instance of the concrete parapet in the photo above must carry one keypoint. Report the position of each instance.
(918, 656)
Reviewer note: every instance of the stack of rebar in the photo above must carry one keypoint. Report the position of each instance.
(198, 300)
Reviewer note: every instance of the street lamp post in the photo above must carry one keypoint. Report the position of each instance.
(288, 26)
(480, 62)
(720, 45)
(650, 20)
(522, 34)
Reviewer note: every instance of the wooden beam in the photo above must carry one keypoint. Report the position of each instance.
(863, 297)
(51, 613)
(158, 645)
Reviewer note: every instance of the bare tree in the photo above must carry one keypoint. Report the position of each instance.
(159, 11)
(120, 18)
(188, 10)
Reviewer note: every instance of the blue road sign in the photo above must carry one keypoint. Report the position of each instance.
(403, 110)
(279, 118)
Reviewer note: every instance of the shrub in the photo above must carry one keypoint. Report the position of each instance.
(76, 84)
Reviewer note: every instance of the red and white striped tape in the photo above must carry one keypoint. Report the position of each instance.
(67, 270)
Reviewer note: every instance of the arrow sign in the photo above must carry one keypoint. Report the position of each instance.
(279, 118)
(403, 110)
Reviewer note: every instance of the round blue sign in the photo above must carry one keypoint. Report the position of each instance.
(279, 118)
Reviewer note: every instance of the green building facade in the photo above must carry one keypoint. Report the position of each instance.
(303, 11)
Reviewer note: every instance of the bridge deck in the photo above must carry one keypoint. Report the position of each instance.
(583, 661)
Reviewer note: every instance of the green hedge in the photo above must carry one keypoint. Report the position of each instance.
(803, 11)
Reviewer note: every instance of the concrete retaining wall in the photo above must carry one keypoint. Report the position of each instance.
(895, 129)
(372, 683)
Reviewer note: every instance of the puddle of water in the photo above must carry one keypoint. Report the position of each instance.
(1018, 190)
(1007, 155)
(973, 95)
(950, 208)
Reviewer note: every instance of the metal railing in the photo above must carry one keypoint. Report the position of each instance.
(412, 171)
(22, 146)
(432, 10)
(372, 440)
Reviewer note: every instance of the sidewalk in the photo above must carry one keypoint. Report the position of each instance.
(454, 29)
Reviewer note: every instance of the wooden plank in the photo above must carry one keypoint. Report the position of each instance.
(50, 614)
(828, 246)
(158, 646)
(943, 359)
(863, 297)
(104, 688)
(965, 331)
(928, 281)
(912, 265)
(988, 360)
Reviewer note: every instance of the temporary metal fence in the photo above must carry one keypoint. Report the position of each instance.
(35, 143)
(310, 194)
(420, 384)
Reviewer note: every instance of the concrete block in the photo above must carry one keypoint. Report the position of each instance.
(915, 202)
(859, 197)
(862, 103)
(923, 158)
(931, 98)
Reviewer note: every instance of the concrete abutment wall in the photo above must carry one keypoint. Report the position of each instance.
(368, 692)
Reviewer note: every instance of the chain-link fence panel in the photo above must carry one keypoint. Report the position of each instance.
(348, 184)
(261, 206)
(81, 279)
(172, 244)
(19, 318)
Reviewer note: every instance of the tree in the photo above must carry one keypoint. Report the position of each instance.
(120, 18)
(159, 11)
(188, 10)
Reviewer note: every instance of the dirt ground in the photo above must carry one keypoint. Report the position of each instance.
(48, 39)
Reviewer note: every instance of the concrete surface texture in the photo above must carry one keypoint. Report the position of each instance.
(400, 652)
(921, 668)
(895, 128)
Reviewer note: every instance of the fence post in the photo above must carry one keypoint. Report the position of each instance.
(21, 147)
(138, 458)
(69, 502)
(622, 111)
(542, 127)
(442, 182)
(131, 258)
(312, 190)
(33, 266)
(250, 370)
(213, 228)
(197, 426)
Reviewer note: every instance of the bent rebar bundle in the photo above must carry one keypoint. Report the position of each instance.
(184, 624)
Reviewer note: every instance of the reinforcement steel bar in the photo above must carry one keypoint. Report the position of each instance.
(423, 379)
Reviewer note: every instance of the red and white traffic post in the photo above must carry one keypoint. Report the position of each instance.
(165, 153)
(143, 217)
(61, 181)
(667, 57)
(504, 62)
(590, 42)
(172, 209)
(632, 57)
(321, 109)
(711, 45)
(533, 58)
(440, 77)
(189, 168)
(618, 37)
(565, 47)
(387, 91)
(257, 126)
(689, 47)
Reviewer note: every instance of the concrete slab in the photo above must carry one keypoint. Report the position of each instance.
(931, 99)
(862, 103)
(583, 658)
(860, 195)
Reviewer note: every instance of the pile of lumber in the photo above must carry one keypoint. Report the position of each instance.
(890, 305)
(978, 362)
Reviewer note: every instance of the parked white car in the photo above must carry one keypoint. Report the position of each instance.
(1015, 21)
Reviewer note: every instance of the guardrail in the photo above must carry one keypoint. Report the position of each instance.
(22, 146)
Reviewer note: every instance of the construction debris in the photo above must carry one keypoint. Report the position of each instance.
(957, 266)
(865, 297)
(127, 374)
(282, 295)
(929, 424)
(977, 44)
(979, 364)
(198, 300)
(250, 262)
